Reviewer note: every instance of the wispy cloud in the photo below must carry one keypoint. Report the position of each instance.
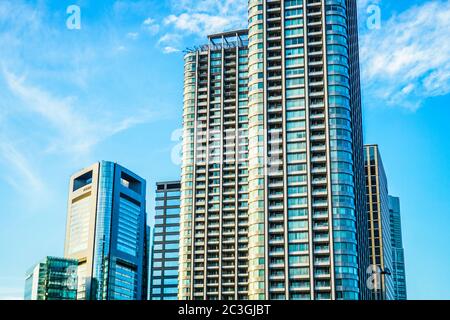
(29, 15)
(76, 133)
(408, 59)
(132, 35)
(20, 171)
(169, 50)
(21, 174)
(52, 105)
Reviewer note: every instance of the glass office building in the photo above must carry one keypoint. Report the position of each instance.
(107, 233)
(379, 225)
(398, 253)
(273, 203)
(52, 279)
(166, 242)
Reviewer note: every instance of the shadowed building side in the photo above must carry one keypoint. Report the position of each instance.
(398, 253)
(379, 225)
(166, 242)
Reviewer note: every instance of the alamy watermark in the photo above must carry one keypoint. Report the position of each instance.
(215, 147)
(373, 12)
(73, 21)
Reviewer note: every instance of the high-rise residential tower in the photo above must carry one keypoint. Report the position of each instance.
(52, 279)
(296, 199)
(107, 233)
(398, 254)
(379, 225)
(214, 197)
(307, 212)
(166, 240)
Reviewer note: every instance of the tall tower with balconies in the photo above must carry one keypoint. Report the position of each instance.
(307, 222)
(214, 197)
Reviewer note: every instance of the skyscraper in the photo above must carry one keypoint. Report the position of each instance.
(379, 225)
(214, 197)
(166, 239)
(106, 232)
(52, 279)
(398, 254)
(293, 204)
(305, 112)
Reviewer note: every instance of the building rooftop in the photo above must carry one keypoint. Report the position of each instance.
(224, 40)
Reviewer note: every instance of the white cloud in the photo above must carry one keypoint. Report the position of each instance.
(169, 50)
(133, 35)
(120, 48)
(199, 23)
(207, 16)
(149, 21)
(408, 59)
(200, 18)
(170, 43)
(151, 26)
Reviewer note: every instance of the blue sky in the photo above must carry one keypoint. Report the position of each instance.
(113, 90)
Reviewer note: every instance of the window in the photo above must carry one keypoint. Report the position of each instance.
(128, 228)
(168, 273)
(298, 236)
(171, 264)
(174, 220)
(173, 211)
(172, 255)
(82, 181)
(173, 202)
(131, 183)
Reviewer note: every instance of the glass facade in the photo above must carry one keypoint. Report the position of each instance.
(166, 239)
(113, 259)
(341, 146)
(103, 234)
(52, 279)
(398, 253)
